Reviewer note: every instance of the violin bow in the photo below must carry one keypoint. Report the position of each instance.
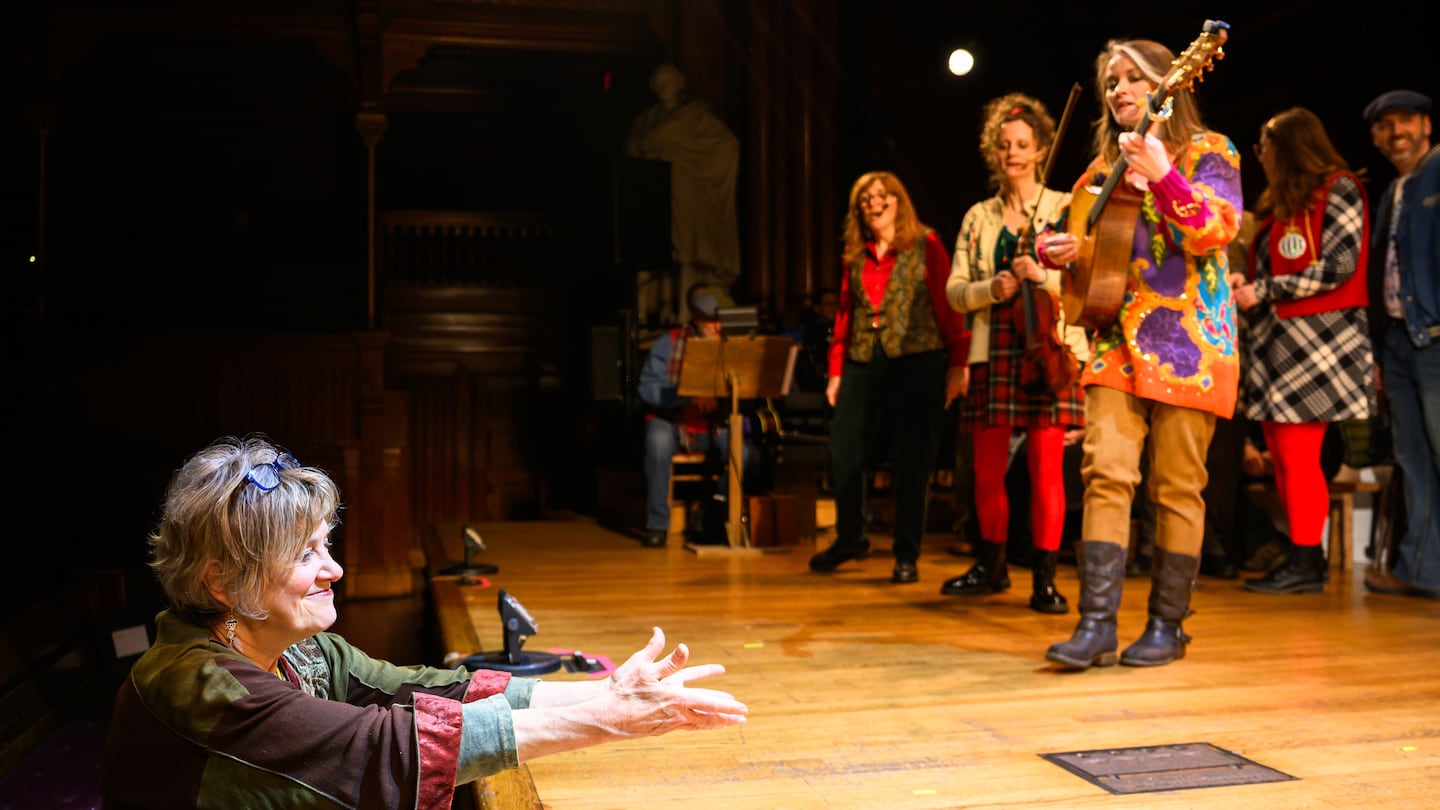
(1050, 155)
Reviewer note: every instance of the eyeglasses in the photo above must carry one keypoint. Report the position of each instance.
(884, 196)
(266, 476)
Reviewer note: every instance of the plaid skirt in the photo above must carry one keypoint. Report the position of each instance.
(995, 397)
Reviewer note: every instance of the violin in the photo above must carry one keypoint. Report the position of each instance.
(1047, 366)
(1103, 220)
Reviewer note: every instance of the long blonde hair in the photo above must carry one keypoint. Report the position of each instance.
(1153, 61)
(908, 227)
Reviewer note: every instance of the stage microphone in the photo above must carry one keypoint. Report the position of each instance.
(470, 567)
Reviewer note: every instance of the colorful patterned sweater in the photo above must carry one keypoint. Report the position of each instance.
(1174, 340)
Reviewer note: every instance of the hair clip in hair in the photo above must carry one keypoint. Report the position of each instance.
(1020, 109)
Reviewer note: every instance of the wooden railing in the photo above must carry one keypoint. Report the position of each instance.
(470, 302)
(424, 248)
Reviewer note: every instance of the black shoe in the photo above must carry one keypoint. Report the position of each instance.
(831, 558)
(904, 573)
(654, 539)
(989, 574)
(1303, 571)
(1043, 596)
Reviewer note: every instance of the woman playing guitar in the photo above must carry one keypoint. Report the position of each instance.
(989, 265)
(1167, 365)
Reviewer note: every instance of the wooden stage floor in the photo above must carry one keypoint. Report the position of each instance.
(865, 694)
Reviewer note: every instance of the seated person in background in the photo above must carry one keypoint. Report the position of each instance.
(245, 701)
(813, 333)
(674, 423)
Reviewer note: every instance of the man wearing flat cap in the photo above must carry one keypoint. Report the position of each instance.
(1405, 330)
(674, 423)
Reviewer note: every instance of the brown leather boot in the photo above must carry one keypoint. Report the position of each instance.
(1164, 639)
(1102, 575)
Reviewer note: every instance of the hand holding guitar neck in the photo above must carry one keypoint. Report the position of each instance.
(1103, 220)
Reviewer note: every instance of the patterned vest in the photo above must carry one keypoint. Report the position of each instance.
(1295, 245)
(905, 320)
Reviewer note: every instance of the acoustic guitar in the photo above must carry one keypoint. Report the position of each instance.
(1103, 220)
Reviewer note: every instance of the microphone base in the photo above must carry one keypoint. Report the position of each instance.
(530, 663)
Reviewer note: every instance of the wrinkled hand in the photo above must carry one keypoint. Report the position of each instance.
(1243, 291)
(1004, 286)
(1145, 154)
(647, 697)
(957, 383)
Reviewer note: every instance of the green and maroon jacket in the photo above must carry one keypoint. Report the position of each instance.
(198, 725)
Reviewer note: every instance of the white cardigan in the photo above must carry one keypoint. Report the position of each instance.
(972, 266)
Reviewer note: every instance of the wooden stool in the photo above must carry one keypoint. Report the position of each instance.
(1342, 519)
(687, 468)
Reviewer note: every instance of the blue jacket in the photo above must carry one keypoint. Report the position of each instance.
(1417, 241)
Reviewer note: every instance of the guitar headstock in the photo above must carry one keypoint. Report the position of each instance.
(1190, 66)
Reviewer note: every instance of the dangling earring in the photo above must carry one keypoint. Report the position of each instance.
(230, 625)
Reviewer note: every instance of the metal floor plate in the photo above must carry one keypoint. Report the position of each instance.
(1147, 769)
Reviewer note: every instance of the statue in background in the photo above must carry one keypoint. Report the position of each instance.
(704, 158)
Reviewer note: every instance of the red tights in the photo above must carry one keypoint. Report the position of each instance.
(1299, 480)
(1045, 462)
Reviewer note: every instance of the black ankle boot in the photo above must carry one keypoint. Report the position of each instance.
(1303, 571)
(989, 574)
(1164, 639)
(1043, 596)
(831, 558)
(1102, 576)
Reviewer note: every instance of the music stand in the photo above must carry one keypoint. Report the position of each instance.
(752, 367)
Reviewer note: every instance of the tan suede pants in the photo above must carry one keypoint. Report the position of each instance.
(1116, 427)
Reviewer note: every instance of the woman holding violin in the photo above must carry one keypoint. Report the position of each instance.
(1165, 365)
(1008, 358)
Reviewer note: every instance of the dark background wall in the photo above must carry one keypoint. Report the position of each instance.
(204, 176)
(903, 110)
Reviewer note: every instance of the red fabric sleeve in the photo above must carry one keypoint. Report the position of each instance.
(950, 322)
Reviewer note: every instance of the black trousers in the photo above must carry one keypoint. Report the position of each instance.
(895, 402)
